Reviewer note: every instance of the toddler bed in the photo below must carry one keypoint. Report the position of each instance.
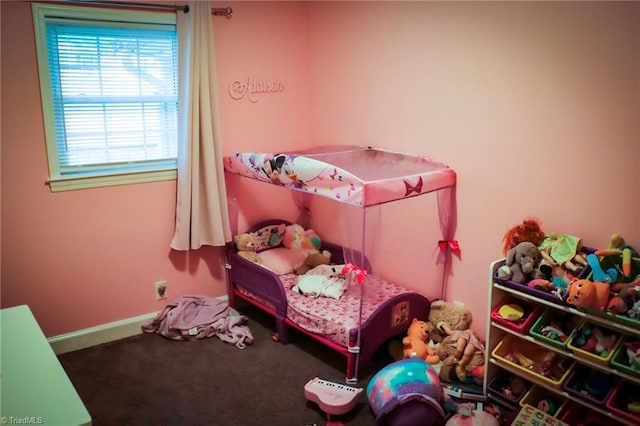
(384, 308)
(365, 316)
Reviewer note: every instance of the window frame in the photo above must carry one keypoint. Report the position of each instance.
(57, 181)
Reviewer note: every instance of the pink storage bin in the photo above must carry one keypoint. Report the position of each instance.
(576, 414)
(625, 401)
(530, 313)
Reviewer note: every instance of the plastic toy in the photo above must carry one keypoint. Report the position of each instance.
(416, 345)
(407, 391)
(587, 294)
(511, 312)
(609, 277)
(333, 398)
(618, 247)
(594, 340)
(246, 246)
(633, 353)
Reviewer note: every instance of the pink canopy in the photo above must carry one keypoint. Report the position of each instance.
(361, 176)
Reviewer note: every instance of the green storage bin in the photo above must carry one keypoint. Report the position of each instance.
(564, 321)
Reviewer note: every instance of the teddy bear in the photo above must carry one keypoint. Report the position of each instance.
(246, 246)
(415, 343)
(523, 262)
(313, 260)
(461, 352)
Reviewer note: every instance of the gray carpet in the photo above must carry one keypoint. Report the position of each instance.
(151, 380)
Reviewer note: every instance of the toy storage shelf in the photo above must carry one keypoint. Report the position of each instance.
(497, 332)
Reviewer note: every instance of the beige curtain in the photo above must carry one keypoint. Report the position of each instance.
(202, 216)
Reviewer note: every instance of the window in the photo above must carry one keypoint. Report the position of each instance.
(108, 81)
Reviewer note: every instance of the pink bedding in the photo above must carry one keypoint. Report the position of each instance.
(334, 318)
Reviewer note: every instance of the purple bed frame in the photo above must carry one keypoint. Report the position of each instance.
(266, 285)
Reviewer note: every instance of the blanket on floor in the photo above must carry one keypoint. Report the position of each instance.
(197, 317)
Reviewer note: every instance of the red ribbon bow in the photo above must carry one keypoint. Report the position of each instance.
(453, 245)
(361, 274)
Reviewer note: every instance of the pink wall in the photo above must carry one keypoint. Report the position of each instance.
(535, 104)
(492, 89)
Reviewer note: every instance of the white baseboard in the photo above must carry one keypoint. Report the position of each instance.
(104, 333)
(100, 334)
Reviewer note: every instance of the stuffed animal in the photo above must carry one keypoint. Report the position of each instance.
(313, 260)
(628, 295)
(459, 348)
(246, 245)
(323, 280)
(299, 239)
(416, 345)
(523, 261)
(587, 294)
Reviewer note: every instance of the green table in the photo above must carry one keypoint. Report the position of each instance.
(34, 388)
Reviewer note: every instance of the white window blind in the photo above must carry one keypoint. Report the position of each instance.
(111, 99)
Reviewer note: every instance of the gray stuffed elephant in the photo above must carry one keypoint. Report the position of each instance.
(523, 261)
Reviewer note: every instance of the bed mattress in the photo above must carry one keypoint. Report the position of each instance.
(333, 318)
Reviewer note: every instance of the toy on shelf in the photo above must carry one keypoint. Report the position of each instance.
(563, 250)
(618, 247)
(633, 353)
(523, 261)
(416, 343)
(529, 230)
(591, 385)
(583, 293)
(595, 340)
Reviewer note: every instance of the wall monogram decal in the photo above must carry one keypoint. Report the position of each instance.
(252, 88)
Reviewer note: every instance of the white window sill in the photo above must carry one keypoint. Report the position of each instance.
(84, 182)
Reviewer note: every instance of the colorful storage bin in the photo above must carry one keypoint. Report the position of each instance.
(529, 314)
(544, 400)
(590, 385)
(508, 386)
(524, 287)
(627, 356)
(576, 414)
(552, 325)
(533, 360)
(580, 344)
(624, 401)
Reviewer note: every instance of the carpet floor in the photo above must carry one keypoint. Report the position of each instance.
(150, 380)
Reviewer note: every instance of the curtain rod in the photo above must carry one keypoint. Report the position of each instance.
(217, 11)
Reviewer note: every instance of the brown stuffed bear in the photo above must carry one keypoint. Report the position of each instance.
(313, 260)
(246, 245)
(460, 350)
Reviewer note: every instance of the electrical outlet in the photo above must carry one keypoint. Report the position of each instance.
(161, 290)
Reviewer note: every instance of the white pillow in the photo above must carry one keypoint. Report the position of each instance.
(282, 260)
